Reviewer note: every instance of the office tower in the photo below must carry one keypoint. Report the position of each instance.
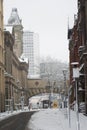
(31, 51)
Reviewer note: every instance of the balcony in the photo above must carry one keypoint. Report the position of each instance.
(81, 49)
(81, 67)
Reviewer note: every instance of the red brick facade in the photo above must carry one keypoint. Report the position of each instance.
(78, 52)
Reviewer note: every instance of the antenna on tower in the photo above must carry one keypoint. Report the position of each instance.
(68, 22)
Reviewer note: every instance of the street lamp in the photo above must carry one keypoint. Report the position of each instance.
(59, 97)
(69, 93)
(64, 74)
(65, 91)
(22, 100)
(76, 76)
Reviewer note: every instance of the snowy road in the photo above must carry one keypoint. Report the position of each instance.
(45, 119)
(55, 119)
(16, 121)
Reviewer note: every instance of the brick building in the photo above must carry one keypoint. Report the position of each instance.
(73, 54)
(78, 53)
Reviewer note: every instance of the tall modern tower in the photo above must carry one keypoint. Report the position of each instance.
(31, 51)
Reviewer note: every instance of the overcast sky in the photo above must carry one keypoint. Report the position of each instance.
(49, 18)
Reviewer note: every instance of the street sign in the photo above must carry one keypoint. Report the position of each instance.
(55, 104)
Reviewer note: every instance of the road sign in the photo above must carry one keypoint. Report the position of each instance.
(55, 104)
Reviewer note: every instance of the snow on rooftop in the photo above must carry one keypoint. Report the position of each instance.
(23, 60)
(8, 28)
(44, 98)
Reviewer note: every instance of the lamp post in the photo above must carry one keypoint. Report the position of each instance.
(76, 76)
(22, 102)
(69, 114)
(65, 91)
(59, 98)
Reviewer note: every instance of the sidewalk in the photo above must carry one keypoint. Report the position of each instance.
(55, 119)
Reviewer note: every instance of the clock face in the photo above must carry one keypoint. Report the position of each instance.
(36, 83)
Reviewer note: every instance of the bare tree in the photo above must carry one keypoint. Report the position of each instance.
(52, 70)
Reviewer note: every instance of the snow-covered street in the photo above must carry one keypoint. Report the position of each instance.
(55, 119)
(52, 119)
